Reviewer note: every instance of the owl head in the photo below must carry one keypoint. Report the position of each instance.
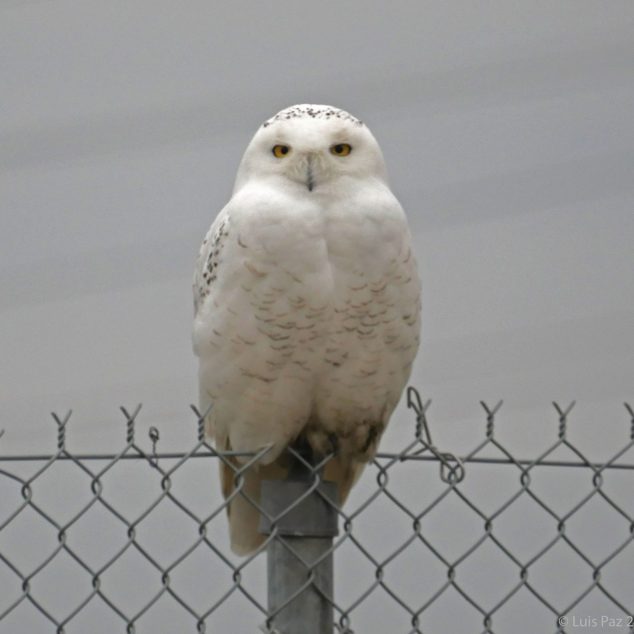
(312, 149)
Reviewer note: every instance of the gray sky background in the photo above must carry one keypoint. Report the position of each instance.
(508, 132)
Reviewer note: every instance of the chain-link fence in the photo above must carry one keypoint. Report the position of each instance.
(429, 543)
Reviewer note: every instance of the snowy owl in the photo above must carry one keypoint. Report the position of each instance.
(307, 305)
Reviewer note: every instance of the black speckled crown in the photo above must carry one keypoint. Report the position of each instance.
(313, 112)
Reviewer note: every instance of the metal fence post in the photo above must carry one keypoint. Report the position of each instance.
(301, 549)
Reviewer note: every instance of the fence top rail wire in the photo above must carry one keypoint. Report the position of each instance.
(381, 455)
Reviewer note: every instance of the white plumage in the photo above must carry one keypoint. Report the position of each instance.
(307, 303)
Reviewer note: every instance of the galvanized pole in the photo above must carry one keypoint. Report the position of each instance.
(304, 537)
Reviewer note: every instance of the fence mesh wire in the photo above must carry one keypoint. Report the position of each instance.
(136, 541)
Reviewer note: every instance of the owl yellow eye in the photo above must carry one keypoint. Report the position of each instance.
(280, 151)
(341, 149)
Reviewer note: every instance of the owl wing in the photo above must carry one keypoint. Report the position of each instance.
(213, 297)
(209, 256)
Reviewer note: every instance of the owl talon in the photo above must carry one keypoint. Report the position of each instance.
(334, 444)
(302, 459)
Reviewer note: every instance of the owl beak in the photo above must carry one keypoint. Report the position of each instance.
(310, 178)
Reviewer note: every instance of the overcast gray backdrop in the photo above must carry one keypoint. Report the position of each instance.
(508, 132)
